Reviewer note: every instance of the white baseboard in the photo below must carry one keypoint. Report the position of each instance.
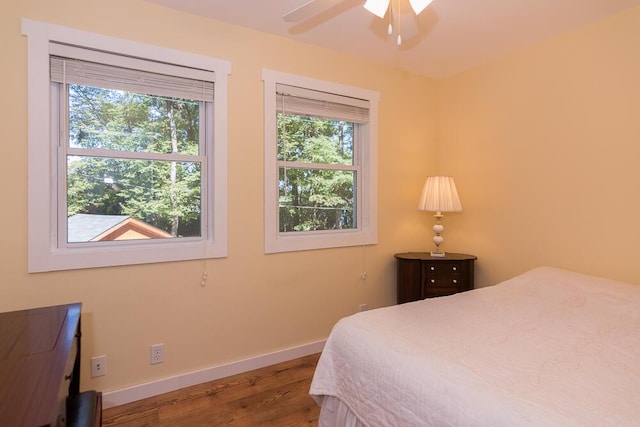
(165, 385)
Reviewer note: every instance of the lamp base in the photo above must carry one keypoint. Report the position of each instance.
(438, 254)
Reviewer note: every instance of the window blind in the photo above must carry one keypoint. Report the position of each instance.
(308, 102)
(87, 73)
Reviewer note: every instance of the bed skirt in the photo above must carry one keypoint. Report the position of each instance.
(335, 413)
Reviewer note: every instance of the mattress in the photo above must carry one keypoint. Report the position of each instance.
(547, 348)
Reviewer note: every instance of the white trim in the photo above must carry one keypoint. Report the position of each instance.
(165, 385)
(58, 33)
(44, 254)
(367, 227)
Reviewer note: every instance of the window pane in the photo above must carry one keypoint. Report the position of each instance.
(114, 199)
(127, 121)
(315, 140)
(316, 199)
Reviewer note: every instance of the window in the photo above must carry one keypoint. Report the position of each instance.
(320, 151)
(134, 164)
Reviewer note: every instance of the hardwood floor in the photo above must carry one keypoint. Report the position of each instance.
(273, 396)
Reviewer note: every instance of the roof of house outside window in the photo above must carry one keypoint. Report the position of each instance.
(93, 227)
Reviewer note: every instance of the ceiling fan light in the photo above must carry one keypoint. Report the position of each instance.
(377, 7)
(418, 5)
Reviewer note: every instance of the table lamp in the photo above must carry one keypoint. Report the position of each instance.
(439, 195)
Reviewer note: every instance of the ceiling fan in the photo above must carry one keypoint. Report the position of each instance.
(377, 7)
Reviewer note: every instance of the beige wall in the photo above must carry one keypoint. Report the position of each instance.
(253, 303)
(545, 148)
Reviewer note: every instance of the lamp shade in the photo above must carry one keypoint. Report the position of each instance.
(439, 194)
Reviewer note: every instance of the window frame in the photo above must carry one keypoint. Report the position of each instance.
(365, 232)
(45, 254)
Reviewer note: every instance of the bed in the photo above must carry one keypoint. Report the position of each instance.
(547, 348)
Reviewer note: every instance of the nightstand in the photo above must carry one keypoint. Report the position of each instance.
(422, 276)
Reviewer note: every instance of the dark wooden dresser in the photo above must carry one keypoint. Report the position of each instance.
(40, 370)
(421, 275)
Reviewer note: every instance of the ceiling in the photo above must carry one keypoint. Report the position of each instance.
(451, 36)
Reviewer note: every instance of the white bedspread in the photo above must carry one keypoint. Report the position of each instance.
(547, 348)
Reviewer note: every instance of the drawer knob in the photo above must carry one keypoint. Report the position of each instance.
(433, 268)
(455, 268)
(433, 281)
(455, 281)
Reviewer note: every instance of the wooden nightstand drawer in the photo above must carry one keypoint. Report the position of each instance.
(444, 274)
(444, 282)
(422, 276)
(443, 267)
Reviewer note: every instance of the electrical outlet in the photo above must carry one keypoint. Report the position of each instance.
(157, 353)
(98, 366)
(363, 307)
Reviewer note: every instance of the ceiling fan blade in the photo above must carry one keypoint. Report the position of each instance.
(308, 10)
(419, 5)
(377, 7)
